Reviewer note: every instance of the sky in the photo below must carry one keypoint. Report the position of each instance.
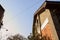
(18, 16)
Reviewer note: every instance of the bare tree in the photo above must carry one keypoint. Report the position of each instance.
(16, 37)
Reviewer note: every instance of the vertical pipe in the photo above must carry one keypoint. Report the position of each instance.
(40, 25)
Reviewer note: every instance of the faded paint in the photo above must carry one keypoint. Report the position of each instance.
(44, 24)
(49, 29)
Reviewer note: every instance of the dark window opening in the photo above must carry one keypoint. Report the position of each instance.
(57, 13)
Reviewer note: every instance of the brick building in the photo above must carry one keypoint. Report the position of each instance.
(46, 22)
(1, 15)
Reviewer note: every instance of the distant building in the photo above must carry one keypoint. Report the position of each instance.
(1, 15)
(46, 22)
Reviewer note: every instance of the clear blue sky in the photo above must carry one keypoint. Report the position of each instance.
(18, 16)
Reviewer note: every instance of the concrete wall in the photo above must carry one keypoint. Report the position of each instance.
(48, 27)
